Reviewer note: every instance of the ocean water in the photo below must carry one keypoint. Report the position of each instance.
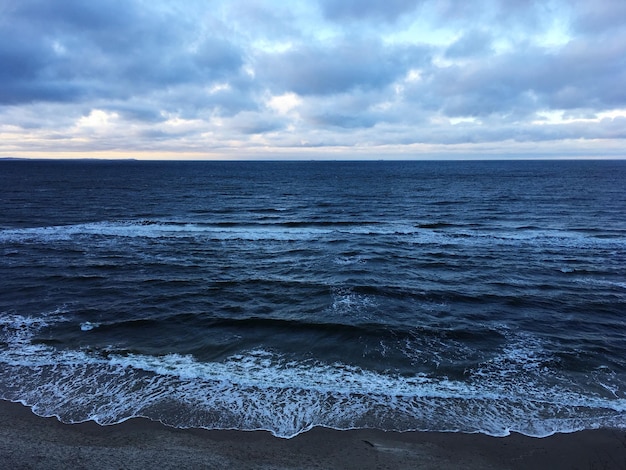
(441, 296)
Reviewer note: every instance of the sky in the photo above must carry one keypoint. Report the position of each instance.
(318, 79)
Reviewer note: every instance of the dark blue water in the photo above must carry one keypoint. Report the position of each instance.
(458, 296)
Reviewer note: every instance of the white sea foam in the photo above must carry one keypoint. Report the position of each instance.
(601, 282)
(404, 232)
(258, 389)
(88, 326)
(347, 303)
(160, 230)
(348, 260)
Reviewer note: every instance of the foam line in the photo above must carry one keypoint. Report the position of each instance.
(258, 389)
(281, 232)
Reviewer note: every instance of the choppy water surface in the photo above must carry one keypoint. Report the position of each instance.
(458, 296)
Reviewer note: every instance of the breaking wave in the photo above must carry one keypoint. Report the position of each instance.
(262, 390)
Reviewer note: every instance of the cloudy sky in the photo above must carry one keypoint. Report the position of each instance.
(313, 79)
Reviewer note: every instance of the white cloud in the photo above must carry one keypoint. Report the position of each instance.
(285, 103)
(97, 121)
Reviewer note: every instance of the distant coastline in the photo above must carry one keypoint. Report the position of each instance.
(610, 158)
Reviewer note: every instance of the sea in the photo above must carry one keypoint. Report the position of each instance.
(459, 296)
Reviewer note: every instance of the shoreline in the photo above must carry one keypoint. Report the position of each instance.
(30, 441)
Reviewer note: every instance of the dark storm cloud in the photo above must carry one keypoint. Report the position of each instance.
(346, 121)
(25, 73)
(520, 82)
(523, 15)
(599, 16)
(138, 112)
(64, 38)
(218, 57)
(327, 69)
(68, 50)
(388, 10)
(587, 74)
(77, 14)
(253, 123)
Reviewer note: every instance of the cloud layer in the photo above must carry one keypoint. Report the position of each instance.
(317, 79)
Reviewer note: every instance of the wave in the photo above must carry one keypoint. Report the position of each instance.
(350, 331)
(152, 229)
(431, 233)
(260, 389)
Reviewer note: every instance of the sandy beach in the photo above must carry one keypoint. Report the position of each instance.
(28, 441)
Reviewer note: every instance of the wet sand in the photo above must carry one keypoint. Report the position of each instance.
(28, 441)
